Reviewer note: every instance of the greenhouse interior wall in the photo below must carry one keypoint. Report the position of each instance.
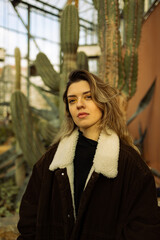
(149, 70)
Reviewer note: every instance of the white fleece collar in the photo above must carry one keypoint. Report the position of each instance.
(106, 157)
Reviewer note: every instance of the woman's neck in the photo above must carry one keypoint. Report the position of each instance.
(88, 133)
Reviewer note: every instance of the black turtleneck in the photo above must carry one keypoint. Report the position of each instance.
(84, 154)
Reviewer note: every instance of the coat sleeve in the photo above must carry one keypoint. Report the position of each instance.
(28, 207)
(142, 219)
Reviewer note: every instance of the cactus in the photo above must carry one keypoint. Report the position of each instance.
(112, 38)
(120, 72)
(46, 130)
(69, 30)
(27, 137)
(18, 68)
(100, 6)
(45, 69)
(69, 37)
(69, 45)
(82, 61)
(133, 13)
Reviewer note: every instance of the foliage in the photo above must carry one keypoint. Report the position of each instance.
(8, 193)
(28, 139)
(6, 131)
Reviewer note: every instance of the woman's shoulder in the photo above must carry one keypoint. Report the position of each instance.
(131, 159)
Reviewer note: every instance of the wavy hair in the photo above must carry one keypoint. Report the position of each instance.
(106, 98)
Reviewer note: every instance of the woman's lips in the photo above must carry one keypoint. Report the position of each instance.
(82, 115)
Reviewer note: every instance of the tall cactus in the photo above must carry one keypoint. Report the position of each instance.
(121, 72)
(26, 135)
(100, 6)
(69, 45)
(112, 42)
(69, 37)
(82, 61)
(18, 68)
(133, 13)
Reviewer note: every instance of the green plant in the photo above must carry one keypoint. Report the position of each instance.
(18, 68)
(23, 125)
(45, 69)
(82, 61)
(8, 193)
(120, 72)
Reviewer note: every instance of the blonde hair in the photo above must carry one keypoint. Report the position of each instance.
(105, 97)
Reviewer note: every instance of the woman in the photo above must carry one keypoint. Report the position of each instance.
(92, 182)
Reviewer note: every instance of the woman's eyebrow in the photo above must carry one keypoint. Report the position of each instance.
(82, 93)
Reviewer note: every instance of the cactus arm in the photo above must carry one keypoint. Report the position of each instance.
(48, 100)
(45, 69)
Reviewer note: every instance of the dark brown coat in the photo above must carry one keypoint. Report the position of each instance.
(118, 207)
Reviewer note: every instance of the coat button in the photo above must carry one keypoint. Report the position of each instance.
(62, 173)
(68, 215)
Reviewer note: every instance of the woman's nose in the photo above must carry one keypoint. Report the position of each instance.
(80, 103)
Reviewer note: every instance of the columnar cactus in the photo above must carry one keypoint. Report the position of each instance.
(133, 14)
(120, 72)
(69, 30)
(112, 42)
(26, 135)
(17, 68)
(82, 61)
(69, 45)
(69, 37)
(100, 6)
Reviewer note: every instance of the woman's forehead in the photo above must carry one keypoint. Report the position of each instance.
(78, 87)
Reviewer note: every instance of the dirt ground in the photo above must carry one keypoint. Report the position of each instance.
(8, 229)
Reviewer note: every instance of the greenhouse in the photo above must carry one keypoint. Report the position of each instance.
(46, 48)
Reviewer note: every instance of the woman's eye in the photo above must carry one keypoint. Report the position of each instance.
(88, 97)
(70, 101)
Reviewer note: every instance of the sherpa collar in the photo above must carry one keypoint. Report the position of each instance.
(106, 157)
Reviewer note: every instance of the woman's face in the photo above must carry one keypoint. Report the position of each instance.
(85, 113)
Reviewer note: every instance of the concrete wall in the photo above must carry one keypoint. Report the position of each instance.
(149, 69)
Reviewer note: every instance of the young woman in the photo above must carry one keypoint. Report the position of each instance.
(92, 183)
